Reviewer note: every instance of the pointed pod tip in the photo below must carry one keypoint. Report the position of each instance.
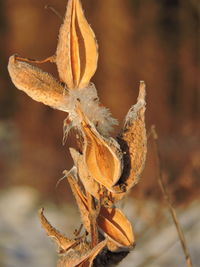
(40, 211)
(142, 91)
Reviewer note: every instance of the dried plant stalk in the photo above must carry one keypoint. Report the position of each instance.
(168, 201)
(104, 168)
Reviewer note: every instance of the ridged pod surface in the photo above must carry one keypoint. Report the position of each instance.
(39, 85)
(77, 53)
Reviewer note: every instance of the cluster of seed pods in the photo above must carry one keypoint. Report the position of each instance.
(105, 169)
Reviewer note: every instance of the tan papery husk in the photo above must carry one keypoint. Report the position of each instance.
(115, 225)
(77, 51)
(102, 156)
(133, 142)
(39, 85)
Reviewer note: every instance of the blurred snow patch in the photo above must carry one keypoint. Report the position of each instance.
(24, 243)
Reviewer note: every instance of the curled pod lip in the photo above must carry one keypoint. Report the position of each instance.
(102, 156)
(88, 182)
(63, 242)
(81, 201)
(77, 51)
(39, 85)
(115, 225)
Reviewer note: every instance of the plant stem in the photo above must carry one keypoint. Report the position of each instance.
(168, 201)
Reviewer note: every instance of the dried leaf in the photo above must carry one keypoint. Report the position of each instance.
(133, 142)
(63, 242)
(76, 55)
(39, 85)
(114, 224)
(102, 156)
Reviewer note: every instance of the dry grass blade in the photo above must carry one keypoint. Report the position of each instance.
(103, 159)
(39, 85)
(114, 224)
(168, 201)
(76, 55)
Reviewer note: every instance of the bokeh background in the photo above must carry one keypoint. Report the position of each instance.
(157, 41)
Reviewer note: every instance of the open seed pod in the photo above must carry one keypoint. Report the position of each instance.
(76, 55)
(62, 241)
(103, 157)
(114, 225)
(75, 252)
(111, 221)
(39, 85)
(83, 256)
(133, 142)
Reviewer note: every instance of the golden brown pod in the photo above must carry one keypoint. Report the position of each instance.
(81, 256)
(114, 224)
(39, 85)
(77, 53)
(103, 157)
(133, 142)
(87, 180)
(63, 242)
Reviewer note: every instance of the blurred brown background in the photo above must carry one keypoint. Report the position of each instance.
(155, 41)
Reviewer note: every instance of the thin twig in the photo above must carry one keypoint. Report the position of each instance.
(92, 218)
(168, 201)
(48, 59)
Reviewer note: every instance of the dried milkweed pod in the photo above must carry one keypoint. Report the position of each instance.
(105, 168)
(133, 142)
(87, 210)
(111, 221)
(76, 252)
(102, 156)
(82, 256)
(76, 55)
(62, 241)
(114, 224)
(39, 85)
